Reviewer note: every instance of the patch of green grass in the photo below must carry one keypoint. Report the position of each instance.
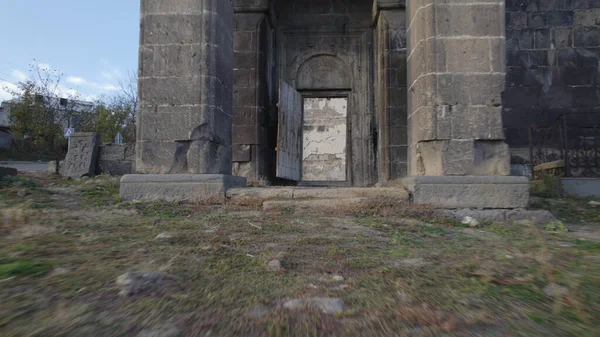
(555, 227)
(17, 181)
(587, 246)
(23, 267)
(165, 210)
(101, 192)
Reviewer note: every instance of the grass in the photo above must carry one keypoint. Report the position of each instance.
(23, 267)
(406, 271)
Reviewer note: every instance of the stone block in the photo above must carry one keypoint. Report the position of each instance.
(479, 122)
(115, 167)
(536, 20)
(155, 157)
(178, 187)
(467, 55)
(470, 89)
(561, 18)
(542, 38)
(473, 20)
(562, 37)
(587, 36)
(242, 153)
(587, 17)
(482, 192)
(82, 157)
(492, 157)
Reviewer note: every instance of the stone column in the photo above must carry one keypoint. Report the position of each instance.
(391, 89)
(253, 151)
(185, 91)
(457, 154)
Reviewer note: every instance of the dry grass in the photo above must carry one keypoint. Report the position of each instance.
(407, 271)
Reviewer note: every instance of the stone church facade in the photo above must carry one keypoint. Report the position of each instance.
(359, 92)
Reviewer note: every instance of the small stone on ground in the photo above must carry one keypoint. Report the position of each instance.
(139, 283)
(274, 265)
(164, 236)
(327, 305)
(554, 290)
(338, 278)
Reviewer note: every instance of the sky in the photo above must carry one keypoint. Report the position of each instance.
(94, 44)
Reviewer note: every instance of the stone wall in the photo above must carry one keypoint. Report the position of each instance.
(552, 64)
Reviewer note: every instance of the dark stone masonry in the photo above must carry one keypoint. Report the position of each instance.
(432, 90)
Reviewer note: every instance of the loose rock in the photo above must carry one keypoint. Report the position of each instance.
(554, 290)
(139, 283)
(164, 236)
(338, 278)
(23, 193)
(274, 265)
(327, 305)
(472, 222)
(594, 203)
(416, 262)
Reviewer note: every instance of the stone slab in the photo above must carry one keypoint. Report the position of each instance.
(178, 187)
(328, 206)
(83, 155)
(287, 193)
(482, 192)
(581, 187)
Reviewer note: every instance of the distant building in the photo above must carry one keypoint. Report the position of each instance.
(54, 103)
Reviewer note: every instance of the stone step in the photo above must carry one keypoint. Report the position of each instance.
(307, 193)
(329, 206)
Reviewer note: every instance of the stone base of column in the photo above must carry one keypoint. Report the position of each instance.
(483, 192)
(178, 187)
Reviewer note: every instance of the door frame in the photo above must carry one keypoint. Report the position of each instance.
(337, 93)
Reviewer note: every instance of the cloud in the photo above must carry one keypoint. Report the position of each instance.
(76, 80)
(108, 87)
(6, 90)
(19, 75)
(43, 66)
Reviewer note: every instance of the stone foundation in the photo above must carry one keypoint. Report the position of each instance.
(469, 191)
(178, 187)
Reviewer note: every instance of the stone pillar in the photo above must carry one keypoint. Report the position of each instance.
(253, 151)
(391, 89)
(185, 91)
(455, 81)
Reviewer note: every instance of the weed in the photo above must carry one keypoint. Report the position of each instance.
(548, 187)
(23, 267)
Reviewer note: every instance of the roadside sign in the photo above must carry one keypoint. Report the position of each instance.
(69, 132)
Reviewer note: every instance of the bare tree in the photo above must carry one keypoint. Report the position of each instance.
(42, 109)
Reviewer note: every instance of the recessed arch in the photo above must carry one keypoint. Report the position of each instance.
(323, 72)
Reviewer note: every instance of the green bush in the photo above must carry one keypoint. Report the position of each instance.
(548, 187)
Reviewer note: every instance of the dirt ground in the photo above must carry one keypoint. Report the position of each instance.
(230, 270)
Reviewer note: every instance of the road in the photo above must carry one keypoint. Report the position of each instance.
(26, 166)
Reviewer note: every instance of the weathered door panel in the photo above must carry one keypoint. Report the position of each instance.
(289, 136)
